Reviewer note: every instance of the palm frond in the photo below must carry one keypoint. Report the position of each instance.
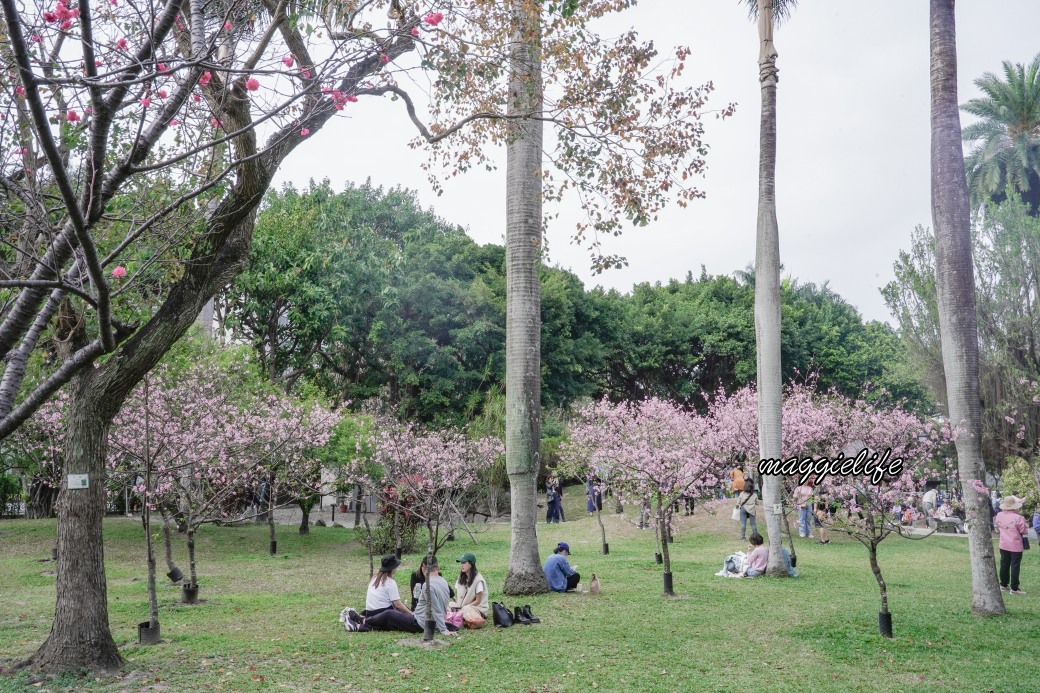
(782, 9)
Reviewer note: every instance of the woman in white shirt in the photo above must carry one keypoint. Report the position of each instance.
(382, 591)
(471, 588)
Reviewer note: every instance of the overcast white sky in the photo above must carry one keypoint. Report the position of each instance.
(852, 171)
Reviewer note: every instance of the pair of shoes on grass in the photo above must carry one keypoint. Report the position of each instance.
(351, 619)
(1019, 592)
(823, 542)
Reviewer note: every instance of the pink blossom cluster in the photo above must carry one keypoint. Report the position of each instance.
(434, 18)
(434, 469)
(61, 14)
(339, 99)
(650, 449)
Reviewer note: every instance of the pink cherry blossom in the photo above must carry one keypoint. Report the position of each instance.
(288, 60)
(205, 78)
(252, 84)
(72, 116)
(434, 18)
(121, 44)
(384, 58)
(146, 102)
(415, 31)
(228, 26)
(119, 272)
(304, 132)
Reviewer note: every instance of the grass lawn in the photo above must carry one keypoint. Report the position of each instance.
(272, 622)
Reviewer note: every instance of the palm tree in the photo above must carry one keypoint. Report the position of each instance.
(955, 293)
(523, 298)
(767, 272)
(1007, 155)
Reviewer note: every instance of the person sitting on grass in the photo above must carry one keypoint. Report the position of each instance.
(383, 593)
(471, 589)
(382, 596)
(558, 571)
(437, 601)
(758, 557)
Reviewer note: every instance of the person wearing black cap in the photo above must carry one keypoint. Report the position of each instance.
(558, 571)
(383, 600)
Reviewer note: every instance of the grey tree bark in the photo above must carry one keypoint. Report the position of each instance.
(523, 300)
(955, 292)
(767, 289)
(80, 636)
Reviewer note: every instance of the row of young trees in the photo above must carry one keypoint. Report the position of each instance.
(652, 452)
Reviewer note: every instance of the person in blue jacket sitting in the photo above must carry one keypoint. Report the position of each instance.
(561, 576)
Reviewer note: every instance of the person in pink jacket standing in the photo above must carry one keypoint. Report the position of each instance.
(1012, 528)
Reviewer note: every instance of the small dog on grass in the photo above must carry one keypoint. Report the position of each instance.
(594, 585)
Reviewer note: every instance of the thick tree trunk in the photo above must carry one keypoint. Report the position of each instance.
(523, 300)
(41, 500)
(767, 289)
(955, 288)
(80, 637)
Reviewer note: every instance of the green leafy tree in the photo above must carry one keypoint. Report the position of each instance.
(1006, 153)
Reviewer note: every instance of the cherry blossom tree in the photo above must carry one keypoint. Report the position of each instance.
(872, 504)
(652, 449)
(431, 474)
(827, 426)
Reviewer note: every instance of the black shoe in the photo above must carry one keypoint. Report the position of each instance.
(520, 617)
(530, 617)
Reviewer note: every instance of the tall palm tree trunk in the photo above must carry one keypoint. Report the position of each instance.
(523, 300)
(955, 284)
(767, 287)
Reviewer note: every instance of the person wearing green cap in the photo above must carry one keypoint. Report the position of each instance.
(471, 590)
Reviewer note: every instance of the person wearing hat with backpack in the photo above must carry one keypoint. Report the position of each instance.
(558, 571)
(1013, 529)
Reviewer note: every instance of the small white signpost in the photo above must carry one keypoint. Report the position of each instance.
(77, 481)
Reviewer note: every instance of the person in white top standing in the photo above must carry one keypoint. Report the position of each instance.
(929, 501)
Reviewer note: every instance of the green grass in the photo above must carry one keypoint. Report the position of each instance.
(272, 622)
